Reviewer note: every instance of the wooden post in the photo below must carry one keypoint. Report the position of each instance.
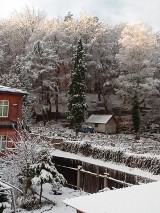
(97, 178)
(13, 201)
(106, 175)
(135, 180)
(78, 177)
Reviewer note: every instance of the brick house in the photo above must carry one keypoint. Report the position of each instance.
(10, 115)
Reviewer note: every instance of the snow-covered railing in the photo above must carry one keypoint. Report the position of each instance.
(5, 187)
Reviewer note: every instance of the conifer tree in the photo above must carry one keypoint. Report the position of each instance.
(77, 100)
(45, 172)
(136, 116)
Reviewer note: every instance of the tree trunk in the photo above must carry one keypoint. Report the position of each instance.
(49, 112)
(44, 117)
(56, 104)
(40, 195)
(77, 132)
(99, 96)
(105, 104)
(26, 181)
(137, 137)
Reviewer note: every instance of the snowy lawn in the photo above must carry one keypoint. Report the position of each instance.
(118, 141)
(59, 207)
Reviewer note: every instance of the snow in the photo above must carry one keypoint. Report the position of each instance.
(11, 90)
(123, 168)
(125, 142)
(98, 119)
(136, 199)
(59, 207)
(127, 200)
(147, 147)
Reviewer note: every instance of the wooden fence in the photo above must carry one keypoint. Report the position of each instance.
(91, 178)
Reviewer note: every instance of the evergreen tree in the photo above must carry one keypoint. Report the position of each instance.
(45, 172)
(136, 116)
(77, 100)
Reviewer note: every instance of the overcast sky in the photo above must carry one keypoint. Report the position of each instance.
(117, 11)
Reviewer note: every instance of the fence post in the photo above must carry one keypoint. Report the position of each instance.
(97, 178)
(106, 175)
(78, 177)
(13, 201)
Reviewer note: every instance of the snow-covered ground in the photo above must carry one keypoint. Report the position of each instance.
(129, 170)
(126, 143)
(59, 207)
(119, 141)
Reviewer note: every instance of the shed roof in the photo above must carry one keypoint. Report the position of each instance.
(99, 119)
(135, 199)
(4, 89)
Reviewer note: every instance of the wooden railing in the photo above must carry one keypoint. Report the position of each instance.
(91, 178)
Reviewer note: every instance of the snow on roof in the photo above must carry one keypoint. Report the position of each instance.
(4, 89)
(98, 119)
(136, 199)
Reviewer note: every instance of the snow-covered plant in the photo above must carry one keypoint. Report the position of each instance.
(44, 171)
(138, 44)
(25, 152)
(3, 201)
(77, 100)
(42, 65)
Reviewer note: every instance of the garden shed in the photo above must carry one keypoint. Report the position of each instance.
(102, 123)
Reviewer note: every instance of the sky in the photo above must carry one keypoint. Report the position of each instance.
(116, 11)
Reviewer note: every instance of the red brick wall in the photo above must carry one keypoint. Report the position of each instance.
(11, 135)
(15, 112)
(15, 106)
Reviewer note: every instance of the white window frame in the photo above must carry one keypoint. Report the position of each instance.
(3, 106)
(3, 139)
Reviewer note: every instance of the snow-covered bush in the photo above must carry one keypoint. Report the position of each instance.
(145, 162)
(3, 201)
(28, 203)
(44, 171)
(29, 153)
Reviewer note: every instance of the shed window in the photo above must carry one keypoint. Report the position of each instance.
(96, 125)
(4, 105)
(3, 143)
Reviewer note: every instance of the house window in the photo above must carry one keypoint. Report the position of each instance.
(3, 143)
(96, 125)
(4, 105)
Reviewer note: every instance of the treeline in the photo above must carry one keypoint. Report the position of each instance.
(122, 60)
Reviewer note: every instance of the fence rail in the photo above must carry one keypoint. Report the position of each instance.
(92, 186)
(92, 178)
